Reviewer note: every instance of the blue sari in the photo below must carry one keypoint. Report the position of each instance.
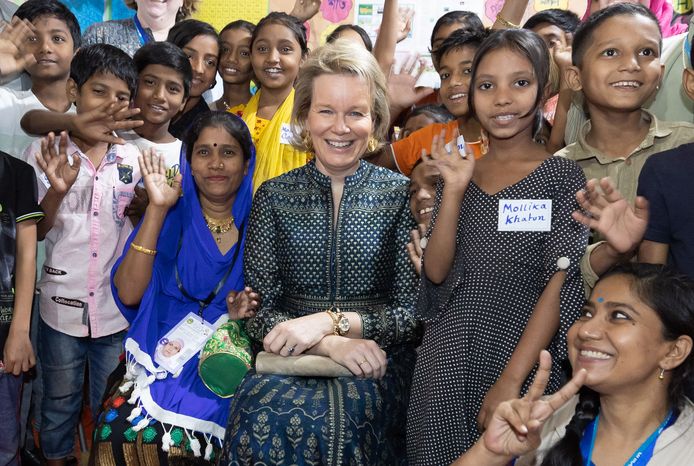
(185, 246)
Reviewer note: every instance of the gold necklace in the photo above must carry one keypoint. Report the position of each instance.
(218, 227)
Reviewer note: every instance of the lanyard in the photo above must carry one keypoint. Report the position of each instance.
(641, 456)
(144, 37)
(213, 294)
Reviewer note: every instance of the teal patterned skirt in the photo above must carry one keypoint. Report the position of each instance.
(282, 420)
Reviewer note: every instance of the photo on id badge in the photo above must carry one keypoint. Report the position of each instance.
(182, 342)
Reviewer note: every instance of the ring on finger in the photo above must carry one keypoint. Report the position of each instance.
(290, 350)
(363, 362)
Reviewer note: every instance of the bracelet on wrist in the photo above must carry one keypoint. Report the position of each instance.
(507, 23)
(143, 250)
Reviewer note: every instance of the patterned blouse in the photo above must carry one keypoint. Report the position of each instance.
(300, 264)
(119, 33)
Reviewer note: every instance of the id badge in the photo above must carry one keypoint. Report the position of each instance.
(182, 342)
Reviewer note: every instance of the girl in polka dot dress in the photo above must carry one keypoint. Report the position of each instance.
(500, 271)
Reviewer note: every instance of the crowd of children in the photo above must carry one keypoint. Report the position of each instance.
(547, 156)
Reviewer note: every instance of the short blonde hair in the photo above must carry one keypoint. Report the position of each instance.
(340, 58)
(189, 7)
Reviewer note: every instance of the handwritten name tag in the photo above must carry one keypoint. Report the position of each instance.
(525, 215)
(286, 134)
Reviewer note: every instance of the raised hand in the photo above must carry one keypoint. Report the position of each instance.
(415, 248)
(402, 90)
(305, 9)
(514, 428)
(99, 125)
(14, 58)
(153, 172)
(405, 15)
(56, 165)
(608, 213)
(456, 169)
(242, 304)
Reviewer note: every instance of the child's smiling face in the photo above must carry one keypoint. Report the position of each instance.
(621, 69)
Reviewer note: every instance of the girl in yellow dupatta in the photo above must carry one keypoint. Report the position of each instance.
(278, 47)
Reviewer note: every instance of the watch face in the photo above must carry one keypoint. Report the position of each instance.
(343, 325)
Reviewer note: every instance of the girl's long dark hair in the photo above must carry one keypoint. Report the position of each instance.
(671, 296)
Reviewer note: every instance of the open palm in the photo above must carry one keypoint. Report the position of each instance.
(608, 213)
(153, 169)
(55, 164)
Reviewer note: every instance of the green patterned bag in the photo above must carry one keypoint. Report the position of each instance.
(225, 359)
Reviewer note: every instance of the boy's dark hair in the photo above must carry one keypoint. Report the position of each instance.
(438, 113)
(229, 122)
(565, 20)
(527, 44)
(468, 20)
(358, 29)
(584, 34)
(671, 295)
(184, 31)
(238, 24)
(457, 40)
(103, 58)
(168, 55)
(34, 9)
(288, 21)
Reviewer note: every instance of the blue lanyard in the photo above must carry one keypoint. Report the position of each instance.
(640, 457)
(144, 37)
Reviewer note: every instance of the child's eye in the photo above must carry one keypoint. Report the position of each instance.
(522, 83)
(585, 314)
(485, 86)
(467, 70)
(245, 53)
(648, 52)
(174, 89)
(225, 50)
(58, 39)
(149, 82)
(32, 39)
(287, 50)
(211, 63)
(609, 53)
(444, 76)
(261, 49)
(122, 98)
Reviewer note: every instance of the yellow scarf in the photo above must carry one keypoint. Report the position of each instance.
(274, 156)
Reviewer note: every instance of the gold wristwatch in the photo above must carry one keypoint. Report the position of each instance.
(340, 321)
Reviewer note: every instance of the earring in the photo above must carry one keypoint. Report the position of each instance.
(372, 144)
(661, 376)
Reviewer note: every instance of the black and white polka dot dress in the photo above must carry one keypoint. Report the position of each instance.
(478, 314)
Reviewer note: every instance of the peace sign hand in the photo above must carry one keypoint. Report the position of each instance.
(154, 175)
(515, 427)
(56, 165)
(456, 169)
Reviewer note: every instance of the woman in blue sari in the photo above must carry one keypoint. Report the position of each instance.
(181, 266)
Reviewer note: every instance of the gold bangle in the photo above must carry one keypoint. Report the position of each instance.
(506, 22)
(138, 248)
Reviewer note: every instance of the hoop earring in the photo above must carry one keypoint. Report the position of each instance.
(372, 144)
(661, 376)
